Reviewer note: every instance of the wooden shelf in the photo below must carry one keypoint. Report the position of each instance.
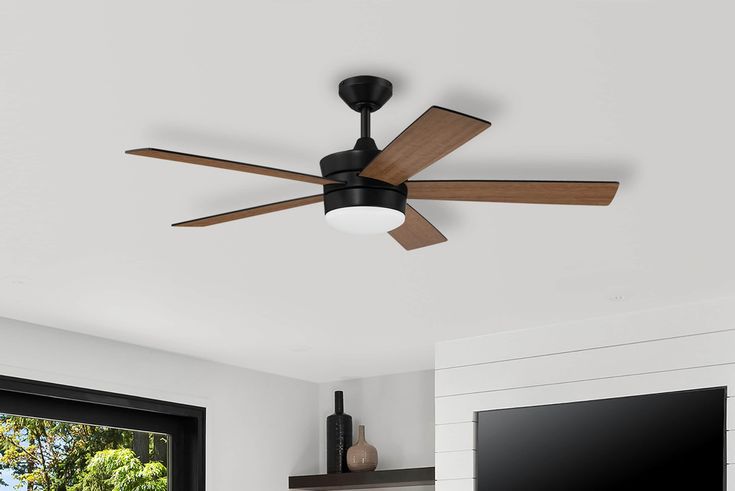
(419, 476)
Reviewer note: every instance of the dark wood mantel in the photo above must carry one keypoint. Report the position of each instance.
(396, 478)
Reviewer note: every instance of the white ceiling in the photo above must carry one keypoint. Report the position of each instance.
(639, 91)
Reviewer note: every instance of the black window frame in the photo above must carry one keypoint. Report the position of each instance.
(184, 423)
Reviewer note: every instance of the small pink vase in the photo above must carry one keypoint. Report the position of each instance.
(362, 456)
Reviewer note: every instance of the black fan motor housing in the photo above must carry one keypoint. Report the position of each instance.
(358, 191)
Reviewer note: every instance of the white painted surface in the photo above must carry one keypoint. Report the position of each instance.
(626, 355)
(85, 242)
(639, 358)
(635, 327)
(456, 485)
(262, 424)
(460, 408)
(455, 465)
(455, 436)
(398, 414)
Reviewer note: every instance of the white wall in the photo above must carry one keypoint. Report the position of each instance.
(260, 428)
(398, 414)
(690, 346)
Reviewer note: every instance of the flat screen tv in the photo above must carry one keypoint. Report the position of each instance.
(670, 441)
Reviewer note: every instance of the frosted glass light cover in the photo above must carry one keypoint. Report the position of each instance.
(365, 219)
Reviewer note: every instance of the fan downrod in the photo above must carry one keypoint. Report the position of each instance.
(365, 94)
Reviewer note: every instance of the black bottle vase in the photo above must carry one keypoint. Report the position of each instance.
(339, 436)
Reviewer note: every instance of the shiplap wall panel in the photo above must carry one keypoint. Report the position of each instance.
(456, 485)
(461, 408)
(669, 354)
(645, 353)
(611, 331)
(455, 465)
(453, 437)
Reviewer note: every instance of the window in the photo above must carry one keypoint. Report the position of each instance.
(59, 438)
(48, 455)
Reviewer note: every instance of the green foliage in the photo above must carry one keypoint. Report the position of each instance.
(121, 470)
(48, 455)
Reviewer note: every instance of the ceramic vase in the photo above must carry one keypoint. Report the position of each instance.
(339, 436)
(362, 456)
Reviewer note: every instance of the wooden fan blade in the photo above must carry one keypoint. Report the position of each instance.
(250, 212)
(416, 231)
(433, 135)
(538, 192)
(229, 164)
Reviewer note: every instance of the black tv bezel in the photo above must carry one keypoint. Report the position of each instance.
(723, 388)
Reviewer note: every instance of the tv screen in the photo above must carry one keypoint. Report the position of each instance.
(665, 441)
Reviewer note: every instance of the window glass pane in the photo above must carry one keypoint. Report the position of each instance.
(45, 455)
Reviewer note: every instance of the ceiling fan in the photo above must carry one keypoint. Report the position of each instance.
(365, 189)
